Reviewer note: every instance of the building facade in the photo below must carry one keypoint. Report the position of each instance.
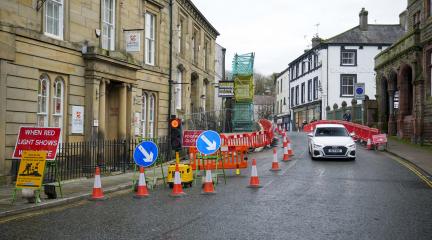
(403, 79)
(282, 115)
(325, 75)
(98, 69)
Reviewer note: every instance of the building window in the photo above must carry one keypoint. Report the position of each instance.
(292, 96)
(416, 19)
(144, 115)
(315, 61)
(348, 58)
(43, 102)
(315, 88)
(297, 95)
(429, 7)
(204, 95)
(347, 85)
(108, 24)
(309, 63)
(206, 49)
(297, 70)
(280, 106)
(150, 29)
(303, 67)
(178, 90)
(303, 91)
(152, 113)
(194, 47)
(180, 37)
(310, 90)
(281, 85)
(54, 18)
(277, 107)
(58, 97)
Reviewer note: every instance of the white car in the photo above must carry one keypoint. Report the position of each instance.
(331, 141)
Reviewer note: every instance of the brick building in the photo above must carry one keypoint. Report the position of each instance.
(404, 77)
(63, 59)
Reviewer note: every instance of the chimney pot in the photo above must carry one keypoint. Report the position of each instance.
(363, 19)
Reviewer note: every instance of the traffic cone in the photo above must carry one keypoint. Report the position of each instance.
(369, 144)
(290, 151)
(208, 184)
(254, 180)
(97, 194)
(275, 163)
(285, 149)
(142, 186)
(177, 188)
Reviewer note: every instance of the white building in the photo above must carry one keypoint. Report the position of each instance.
(326, 74)
(219, 74)
(281, 106)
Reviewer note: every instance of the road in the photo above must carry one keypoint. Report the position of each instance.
(373, 197)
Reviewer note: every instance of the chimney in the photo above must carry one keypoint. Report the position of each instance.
(316, 41)
(363, 20)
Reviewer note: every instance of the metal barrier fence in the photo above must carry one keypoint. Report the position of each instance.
(79, 159)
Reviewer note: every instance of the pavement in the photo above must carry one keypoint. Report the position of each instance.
(373, 197)
(421, 157)
(79, 189)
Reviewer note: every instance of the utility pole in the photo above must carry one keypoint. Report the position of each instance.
(170, 81)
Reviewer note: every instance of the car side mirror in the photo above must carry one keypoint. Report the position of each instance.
(352, 134)
(310, 134)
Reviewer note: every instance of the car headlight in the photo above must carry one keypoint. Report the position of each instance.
(317, 146)
(351, 146)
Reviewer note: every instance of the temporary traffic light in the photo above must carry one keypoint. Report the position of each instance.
(176, 133)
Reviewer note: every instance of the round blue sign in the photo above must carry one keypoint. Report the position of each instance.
(145, 154)
(208, 142)
(359, 91)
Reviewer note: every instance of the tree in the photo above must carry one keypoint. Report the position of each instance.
(264, 84)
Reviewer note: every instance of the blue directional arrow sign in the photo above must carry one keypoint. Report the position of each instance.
(145, 154)
(208, 142)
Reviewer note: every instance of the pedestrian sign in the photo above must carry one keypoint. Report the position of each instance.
(31, 169)
(145, 154)
(208, 142)
(359, 91)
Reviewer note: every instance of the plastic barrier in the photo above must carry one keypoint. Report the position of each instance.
(234, 157)
(361, 132)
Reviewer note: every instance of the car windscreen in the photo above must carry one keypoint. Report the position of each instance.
(331, 132)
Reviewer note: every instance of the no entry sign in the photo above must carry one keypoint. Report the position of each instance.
(37, 139)
(190, 137)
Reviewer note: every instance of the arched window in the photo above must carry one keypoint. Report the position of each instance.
(144, 115)
(178, 90)
(58, 97)
(43, 101)
(152, 112)
(204, 95)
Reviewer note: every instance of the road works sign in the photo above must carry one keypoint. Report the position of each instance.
(145, 154)
(208, 142)
(31, 169)
(37, 139)
(190, 137)
(379, 139)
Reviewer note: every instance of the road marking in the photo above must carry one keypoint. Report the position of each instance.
(413, 168)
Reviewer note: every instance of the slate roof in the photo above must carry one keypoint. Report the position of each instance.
(383, 34)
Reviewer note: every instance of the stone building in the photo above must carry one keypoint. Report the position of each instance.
(105, 62)
(404, 77)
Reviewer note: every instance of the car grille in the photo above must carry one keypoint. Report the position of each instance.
(328, 150)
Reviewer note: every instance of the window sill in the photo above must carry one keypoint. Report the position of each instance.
(53, 36)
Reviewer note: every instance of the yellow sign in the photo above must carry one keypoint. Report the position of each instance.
(31, 169)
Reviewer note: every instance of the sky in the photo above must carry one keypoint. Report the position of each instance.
(279, 31)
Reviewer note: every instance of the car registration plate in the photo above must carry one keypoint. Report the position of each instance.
(336, 150)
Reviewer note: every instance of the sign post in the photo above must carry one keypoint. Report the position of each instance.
(359, 94)
(34, 147)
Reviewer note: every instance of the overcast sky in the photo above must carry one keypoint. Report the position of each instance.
(278, 31)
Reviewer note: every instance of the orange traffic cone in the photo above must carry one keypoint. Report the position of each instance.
(275, 163)
(285, 149)
(290, 151)
(142, 190)
(369, 144)
(208, 184)
(254, 180)
(177, 188)
(97, 194)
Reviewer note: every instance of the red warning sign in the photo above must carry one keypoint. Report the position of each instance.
(37, 139)
(190, 137)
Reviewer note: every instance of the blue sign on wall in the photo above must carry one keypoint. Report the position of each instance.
(208, 142)
(146, 153)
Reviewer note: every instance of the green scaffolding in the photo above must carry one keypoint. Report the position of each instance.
(243, 64)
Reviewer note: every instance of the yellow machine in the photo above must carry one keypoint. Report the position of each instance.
(186, 175)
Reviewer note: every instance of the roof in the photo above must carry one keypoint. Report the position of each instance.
(330, 125)
(263, 100)
(375, 34)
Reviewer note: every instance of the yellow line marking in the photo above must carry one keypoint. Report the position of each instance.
(413, 169)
